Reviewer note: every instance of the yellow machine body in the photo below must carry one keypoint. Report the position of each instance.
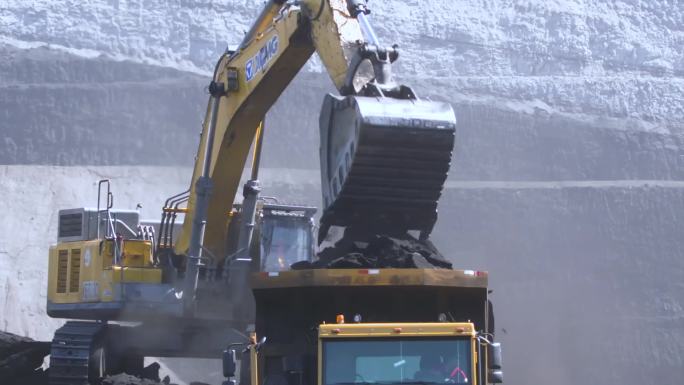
(84, 271)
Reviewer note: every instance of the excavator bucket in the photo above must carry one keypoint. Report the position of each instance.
(384, 162)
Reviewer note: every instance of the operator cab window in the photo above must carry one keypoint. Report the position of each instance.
(284, 241)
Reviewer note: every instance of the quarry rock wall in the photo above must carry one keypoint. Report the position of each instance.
(566, 183)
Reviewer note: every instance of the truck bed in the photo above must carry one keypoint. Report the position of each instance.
(370, 277)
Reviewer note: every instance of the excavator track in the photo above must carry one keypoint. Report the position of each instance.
(384, 162)
(73, 356)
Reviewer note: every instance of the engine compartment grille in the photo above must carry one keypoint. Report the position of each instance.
(70, 225)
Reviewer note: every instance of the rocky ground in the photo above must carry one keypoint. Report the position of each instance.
(21, 360)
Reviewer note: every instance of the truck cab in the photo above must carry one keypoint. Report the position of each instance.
(397, 353)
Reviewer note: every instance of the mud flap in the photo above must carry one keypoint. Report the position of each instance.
(384, 162)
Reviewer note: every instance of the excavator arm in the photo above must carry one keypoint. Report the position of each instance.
(247, 82)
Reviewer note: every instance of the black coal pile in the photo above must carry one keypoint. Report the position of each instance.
(147, 376)
(21, 360)
(378, 251)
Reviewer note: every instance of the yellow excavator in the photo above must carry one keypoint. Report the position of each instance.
(237, 271)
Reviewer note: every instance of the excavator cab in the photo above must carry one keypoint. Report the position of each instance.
(286, 236)
(283, 235)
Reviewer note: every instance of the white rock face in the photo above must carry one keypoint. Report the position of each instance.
(575, 55)
(558, 36)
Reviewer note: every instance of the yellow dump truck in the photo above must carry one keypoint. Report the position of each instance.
(370, 326)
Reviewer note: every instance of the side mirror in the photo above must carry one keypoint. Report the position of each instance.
(229, 363)
(494, 355)
(261, 343)
(494, 374)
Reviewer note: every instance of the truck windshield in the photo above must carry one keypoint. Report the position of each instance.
(397, 361)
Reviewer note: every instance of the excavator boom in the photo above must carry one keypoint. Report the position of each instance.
(384, 152)
(252, 78)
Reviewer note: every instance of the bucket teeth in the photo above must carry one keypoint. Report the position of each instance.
(384, 162)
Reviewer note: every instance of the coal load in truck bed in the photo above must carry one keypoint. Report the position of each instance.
(378, 252)
(127, 379)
